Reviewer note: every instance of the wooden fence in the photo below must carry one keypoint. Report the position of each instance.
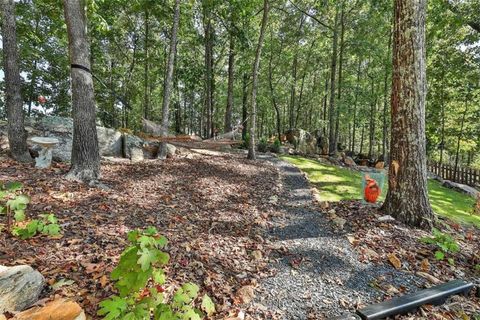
(463, 175)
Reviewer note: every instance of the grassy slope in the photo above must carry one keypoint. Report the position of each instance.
(337, 184)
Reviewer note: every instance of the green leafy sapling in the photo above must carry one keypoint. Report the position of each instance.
(46, 225)
(13, 204)
(444, 242)
(139, 279)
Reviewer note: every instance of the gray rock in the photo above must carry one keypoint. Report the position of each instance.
(20, 287)
(461, 188)
(136, 154)
(349, 162)
(171, 150)
(304, 142)
(109, 142)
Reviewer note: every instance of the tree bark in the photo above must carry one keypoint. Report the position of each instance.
(340, 75)
(209, 70)
(354, 129)
(373, 112)
(17, 136)
(146, 94)
(385, 105)
(85, 152)
(167, 85)
(231, 79)
(244, 106)
(256, 65)
(332, 148)
(459, 139)
(407, 197)
(272, 93)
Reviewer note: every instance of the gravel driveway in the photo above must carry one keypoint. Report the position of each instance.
(318, 275)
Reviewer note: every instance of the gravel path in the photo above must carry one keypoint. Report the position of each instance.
(318, 276)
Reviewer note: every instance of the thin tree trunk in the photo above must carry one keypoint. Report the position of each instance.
(355, 105)
(332, 148)
(231, 79)
(146, 94)
(442, 134)
(385, 105)
(167, 85)
(256, 65)
(209, 70)
(362, 137)
(407, 197)
(85, 151)
(244, 106)
(302, 85)
(459, 139)
(17, 136)
(373, 111)
(272, 93)
(340, 74)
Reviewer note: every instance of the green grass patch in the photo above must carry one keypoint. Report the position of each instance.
(335, 184)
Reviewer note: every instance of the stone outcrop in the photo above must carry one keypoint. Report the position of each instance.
(112, 143)
(20, 287)
(461, 188)
(303, 142)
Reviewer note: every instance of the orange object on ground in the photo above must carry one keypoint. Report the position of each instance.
(372, 190)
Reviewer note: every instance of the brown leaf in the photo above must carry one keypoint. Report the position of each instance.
(425, 265)
(394, 260)
(103, 281)
(244, 295)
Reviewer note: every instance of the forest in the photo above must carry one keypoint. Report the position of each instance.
(240, 159)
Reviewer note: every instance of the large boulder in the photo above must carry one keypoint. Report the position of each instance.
(109, 142)
(461, 188)
(20, 287)
(171, 150)
(304, 142)
(322, 141)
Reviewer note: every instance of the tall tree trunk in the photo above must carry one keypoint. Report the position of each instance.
(385, 104)
(167, 85)
(85, 152)
(302, 84)
(340, 74)
(407, 197)
(17, 136)
(332, 148)
(293, 93)
(244, 106)
(459, 139)
(146, 93)
(231, 65)
(256, 65)
(355, 105)
(362, 138)
(442, 132)
(324, 125)
(272, 94)
(209, 69)
(373, 112)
